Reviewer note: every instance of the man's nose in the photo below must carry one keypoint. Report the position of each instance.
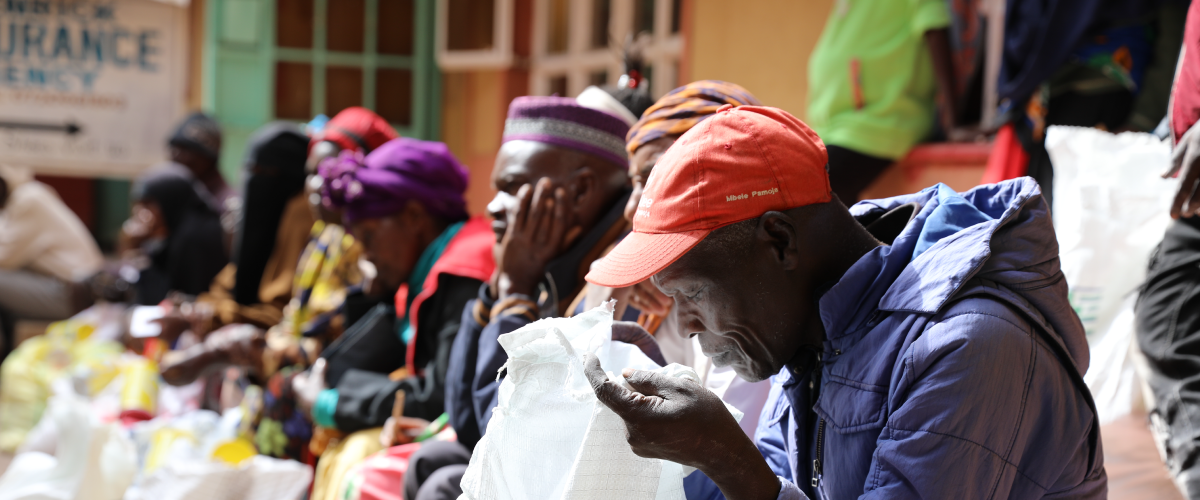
(689, 322)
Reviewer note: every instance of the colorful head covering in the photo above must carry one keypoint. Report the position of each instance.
(403, 169)
(200, 133)
(561, 121)
(682, 108)
(356, 129)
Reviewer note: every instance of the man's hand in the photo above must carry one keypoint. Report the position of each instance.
(647, 298)
(633, 334)
(1184, 162)
(678, 420)
(241, 345)
(535, 236)
(403, 430)
(238, 345)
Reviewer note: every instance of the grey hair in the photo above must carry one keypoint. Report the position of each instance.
(732, 240)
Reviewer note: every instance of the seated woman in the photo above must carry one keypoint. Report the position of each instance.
(272, 231)
(329, 267)
(405, 203)
(177, 232)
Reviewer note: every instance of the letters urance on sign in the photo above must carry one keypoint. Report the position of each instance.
(63, 45)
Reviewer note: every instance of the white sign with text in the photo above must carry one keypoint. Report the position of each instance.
(90, 88)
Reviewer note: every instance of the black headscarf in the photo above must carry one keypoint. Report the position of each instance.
(193, 253)
(200, 133)
(274, 173)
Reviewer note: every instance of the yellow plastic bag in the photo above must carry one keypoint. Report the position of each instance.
(28, 372)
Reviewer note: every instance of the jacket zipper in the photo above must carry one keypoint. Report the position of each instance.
(816, 477)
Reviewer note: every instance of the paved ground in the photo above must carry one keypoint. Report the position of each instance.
(1132, 462)
(1134, 467)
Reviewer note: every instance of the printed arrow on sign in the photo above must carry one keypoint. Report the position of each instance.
(68, 128)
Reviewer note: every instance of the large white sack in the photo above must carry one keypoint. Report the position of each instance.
(91, 461)
(550, 438)
(1110, 211)
(259, 478)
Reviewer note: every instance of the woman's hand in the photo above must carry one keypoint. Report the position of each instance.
(403, 430)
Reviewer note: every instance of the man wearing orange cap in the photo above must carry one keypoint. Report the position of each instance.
(919, 347)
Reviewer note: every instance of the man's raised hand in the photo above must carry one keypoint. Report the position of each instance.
(678, 420)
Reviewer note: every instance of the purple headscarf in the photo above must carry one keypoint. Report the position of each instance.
(381, 183)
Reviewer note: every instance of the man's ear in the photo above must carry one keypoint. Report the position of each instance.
(780, 233)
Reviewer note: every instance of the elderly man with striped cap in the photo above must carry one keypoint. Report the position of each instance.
(561, 185)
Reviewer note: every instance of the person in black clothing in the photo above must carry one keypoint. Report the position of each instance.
(178, 232)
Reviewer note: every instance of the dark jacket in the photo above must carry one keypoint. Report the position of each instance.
(365, 397)
(953, 366)
(472, 381)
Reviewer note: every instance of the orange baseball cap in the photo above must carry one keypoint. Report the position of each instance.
(739, 164)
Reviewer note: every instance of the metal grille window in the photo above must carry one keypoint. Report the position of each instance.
(580, 42)
(293, 59)
(331, 55)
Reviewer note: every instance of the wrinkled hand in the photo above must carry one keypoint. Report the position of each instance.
(536, 232)
(239, 345)
(678, 420)
(647, 298)
(403, 430)
(633, 334)
(308, 385)
(1185, 161)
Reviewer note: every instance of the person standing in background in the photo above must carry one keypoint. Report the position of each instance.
(1168, 306)
(1076, 63)
(873, 79)
(196, 145)
(44, 250)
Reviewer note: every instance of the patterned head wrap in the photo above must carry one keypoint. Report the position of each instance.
(561, 121)
(381, 183)
(356, 129)
(682, 108)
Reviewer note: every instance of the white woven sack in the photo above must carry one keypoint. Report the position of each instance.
(1110, 210)
(550, 438)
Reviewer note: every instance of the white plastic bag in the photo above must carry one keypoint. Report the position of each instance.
(550, 438)
(1110, 211)
(91, 461)
(259, 478)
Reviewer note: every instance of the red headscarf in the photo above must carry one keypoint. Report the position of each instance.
(356, 129)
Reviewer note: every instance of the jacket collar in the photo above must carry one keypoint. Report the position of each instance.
(564, 275)
(890, 279)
